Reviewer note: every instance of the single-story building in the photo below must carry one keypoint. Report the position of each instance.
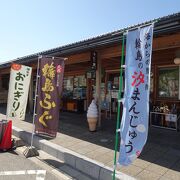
(92, 70)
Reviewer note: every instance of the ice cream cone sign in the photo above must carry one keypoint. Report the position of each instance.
(92, 115)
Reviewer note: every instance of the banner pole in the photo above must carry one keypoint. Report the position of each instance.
(32, 151)
(119, 110)
(35, 99)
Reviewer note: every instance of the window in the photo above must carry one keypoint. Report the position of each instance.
(79, 87)
(68, 87)
(79, 81)
(168, 82)
(68, 83)
(74, 87)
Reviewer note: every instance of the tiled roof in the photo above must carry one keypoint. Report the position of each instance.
(167, 23)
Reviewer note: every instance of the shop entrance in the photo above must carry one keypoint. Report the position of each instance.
(110, 98)
(74, 94)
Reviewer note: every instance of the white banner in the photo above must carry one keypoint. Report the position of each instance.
(134, 125)
(18, 91)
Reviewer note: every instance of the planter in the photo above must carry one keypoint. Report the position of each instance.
(92, 122)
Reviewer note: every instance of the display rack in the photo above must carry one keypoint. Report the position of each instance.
(164, 120)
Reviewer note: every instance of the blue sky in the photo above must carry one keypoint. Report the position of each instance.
(32, 26)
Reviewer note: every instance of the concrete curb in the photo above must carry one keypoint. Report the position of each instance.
(86, 165)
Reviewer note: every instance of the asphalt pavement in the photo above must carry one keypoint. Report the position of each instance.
(13, 165)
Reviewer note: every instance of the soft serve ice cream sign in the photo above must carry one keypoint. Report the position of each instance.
(92, 115)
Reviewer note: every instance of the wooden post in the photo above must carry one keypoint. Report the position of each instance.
(98, 88)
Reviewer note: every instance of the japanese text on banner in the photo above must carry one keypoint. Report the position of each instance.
(134, 125)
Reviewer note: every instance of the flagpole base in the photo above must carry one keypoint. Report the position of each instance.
(31, 152)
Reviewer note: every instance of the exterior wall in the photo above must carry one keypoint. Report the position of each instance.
(163, 59)
(164, 52)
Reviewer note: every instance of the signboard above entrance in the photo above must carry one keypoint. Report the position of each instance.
(93, 60)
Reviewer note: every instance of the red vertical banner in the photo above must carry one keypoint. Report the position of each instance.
(51, 72)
